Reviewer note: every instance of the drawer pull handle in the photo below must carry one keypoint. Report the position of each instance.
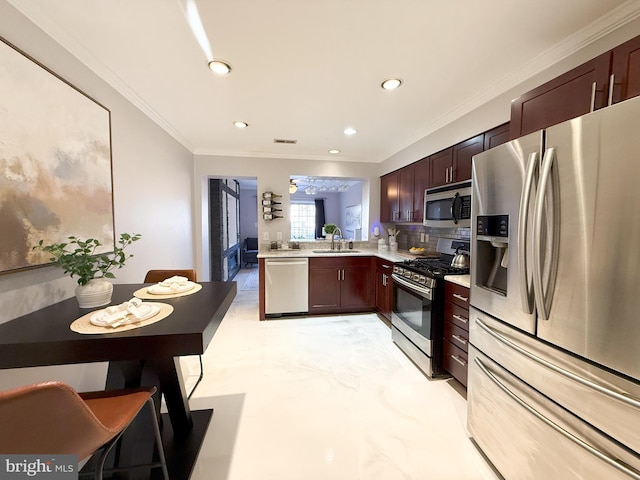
(459, 360)
(460, 297)
(459, 339)
(460, 319)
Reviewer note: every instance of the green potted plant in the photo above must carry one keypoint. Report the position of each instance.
(78, 258)
(330, 229)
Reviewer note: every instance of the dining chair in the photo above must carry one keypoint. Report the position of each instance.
(52, 418)
(155, 276)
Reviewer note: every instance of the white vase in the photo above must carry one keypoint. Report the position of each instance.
(96, 293)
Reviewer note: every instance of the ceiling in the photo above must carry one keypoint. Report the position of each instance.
(306, 69)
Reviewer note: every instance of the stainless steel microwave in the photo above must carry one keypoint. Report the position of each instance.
(448, 206)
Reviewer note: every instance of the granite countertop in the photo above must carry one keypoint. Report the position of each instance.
(392, 256)
(463, 280)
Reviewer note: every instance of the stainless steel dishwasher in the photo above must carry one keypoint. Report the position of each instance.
(286, 286)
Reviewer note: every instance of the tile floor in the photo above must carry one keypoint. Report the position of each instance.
(325, 398)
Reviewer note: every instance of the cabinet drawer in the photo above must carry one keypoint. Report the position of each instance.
(384, 265)
(456, 335)
(340, 261)
(457, 315)
(455, 362)
(457, 294)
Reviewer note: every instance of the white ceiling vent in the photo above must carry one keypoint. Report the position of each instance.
(283, 140)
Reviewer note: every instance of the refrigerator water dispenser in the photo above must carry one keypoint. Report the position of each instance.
(492, 250)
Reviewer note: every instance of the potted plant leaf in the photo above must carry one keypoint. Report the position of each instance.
(330, 230)
(79, 259)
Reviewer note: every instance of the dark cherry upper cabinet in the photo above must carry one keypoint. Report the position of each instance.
(625, 68)
(402, 193)
(405, 193)
(389, 197)
(496, 136)
(440, 167)
(565, 97)
(420, 183)
(462, 154)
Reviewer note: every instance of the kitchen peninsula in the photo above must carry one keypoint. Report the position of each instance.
(340, 281)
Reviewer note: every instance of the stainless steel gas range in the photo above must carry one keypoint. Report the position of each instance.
(417, 320)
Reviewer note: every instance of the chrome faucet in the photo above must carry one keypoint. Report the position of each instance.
(333, 238)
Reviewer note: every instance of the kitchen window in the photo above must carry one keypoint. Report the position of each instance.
(303, 221)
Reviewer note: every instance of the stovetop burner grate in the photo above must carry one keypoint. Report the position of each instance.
(434, 266)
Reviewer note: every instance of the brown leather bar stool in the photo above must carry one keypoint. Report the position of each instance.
(155, 276)
(52, 418)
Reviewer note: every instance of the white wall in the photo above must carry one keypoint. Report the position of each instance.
(351, 197)
(152, 176)
(273, 175)
(248, 213)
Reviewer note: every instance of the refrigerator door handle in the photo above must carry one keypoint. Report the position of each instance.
(543, 301)
(623, 397)
(525, 292)
(570, 436)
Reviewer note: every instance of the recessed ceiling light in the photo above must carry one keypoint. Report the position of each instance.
(241, 124)
(220, 67)
(334, 151)
(350, 131)
(391, 83)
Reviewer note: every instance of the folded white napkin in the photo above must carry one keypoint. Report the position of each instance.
(132, 311)
(175, 282)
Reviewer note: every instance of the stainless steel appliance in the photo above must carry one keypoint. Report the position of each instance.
(417, 319)
(448, 206)
(554, 373)
(286, 286)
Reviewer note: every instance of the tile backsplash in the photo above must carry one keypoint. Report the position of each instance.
(410, 235)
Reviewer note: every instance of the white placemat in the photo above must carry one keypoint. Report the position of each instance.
(83, 324)
(143, 294)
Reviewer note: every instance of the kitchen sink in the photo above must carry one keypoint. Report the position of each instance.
(328, 250)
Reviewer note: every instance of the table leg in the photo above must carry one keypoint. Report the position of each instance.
(174, 392)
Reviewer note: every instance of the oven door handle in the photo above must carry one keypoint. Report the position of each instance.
(423, 291)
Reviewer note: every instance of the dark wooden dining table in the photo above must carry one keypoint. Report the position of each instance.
(144, 356)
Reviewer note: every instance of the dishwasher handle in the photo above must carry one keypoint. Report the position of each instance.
(273, 263)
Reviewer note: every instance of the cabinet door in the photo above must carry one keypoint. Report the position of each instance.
(496, 136)
(439, 167)
(384, 290)
(324, 289)
(462, 154)
(420, 183)
(625, 68)
(405, 193)
(565, 97)
(355, 289)
(389, 197)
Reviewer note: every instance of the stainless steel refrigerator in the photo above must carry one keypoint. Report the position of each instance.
(554, 362)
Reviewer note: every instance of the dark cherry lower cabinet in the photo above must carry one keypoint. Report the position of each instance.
(341, 284)
(384, 288)
(456, 331)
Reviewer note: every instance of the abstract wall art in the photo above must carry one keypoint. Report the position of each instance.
(55, 162)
